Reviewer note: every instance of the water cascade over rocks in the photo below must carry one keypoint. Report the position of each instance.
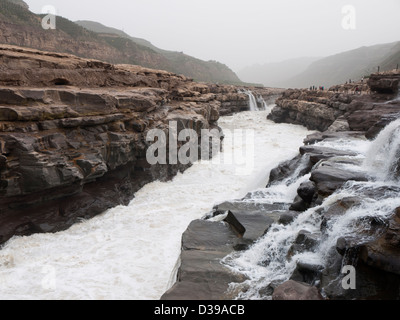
(352, 223)
(382, 159)
(130, 251)
(255, 104)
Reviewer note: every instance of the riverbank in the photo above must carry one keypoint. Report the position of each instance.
(73, 134)
(128, 252)
(292, 239)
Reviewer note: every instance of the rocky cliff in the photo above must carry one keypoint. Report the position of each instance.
(339, 211)
(19, 26)
(358, 106)
(73, 133)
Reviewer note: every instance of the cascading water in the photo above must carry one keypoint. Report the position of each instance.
(255, 102)
(383, 158)
(129, 252)
(270, 261)
(262, 103)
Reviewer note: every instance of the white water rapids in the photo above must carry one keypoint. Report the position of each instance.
(266, 261)
(129, 252)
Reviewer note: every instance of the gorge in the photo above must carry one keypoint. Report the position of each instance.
(84, 216)
(332, 208)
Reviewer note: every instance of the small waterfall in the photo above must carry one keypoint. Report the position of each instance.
(129, 251)
(262, 103)
(270, 260)
(383, 158)
(253, 106)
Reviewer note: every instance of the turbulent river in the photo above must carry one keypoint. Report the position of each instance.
(266, 261)
(129, 252)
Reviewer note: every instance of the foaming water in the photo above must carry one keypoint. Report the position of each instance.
(129, 252)
(267, 261)
(253, 106)
(382, 159)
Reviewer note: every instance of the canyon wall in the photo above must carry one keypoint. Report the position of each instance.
(334, 190)
(73, 133)
(362, 106)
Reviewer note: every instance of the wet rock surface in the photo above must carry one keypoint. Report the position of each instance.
(73, 133)
(293, 290)
(373, 250)
(201, 276)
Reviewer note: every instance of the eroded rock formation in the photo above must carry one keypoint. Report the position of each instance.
(373, 250)
(73, 133)
(355, 107)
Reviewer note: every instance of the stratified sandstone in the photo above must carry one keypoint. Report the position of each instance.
(364, 106)
(341, 114)
(387, 82)
(73, 133)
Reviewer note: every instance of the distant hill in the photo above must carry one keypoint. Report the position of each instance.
(178, 62)
(19, 26)
(352, 64)
(276, 74)
(332, 70)
(21, 3)
(102, 29)
(393, 58)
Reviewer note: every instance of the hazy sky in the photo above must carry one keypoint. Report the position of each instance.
(241, 33)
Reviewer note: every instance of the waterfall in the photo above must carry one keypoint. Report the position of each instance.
(253, 106)
(129, 251)
(383, 158)
(261, 101)
(270, 260)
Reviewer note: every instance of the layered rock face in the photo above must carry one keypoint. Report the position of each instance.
(387, 82)
(356, 106)
(306, 224)
(73, 134)
(314, 109)
(21, 27)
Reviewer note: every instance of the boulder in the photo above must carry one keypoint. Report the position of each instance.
(307, 273)
(305, 241)
(287, 217)
(290, 170)
(384, 252)
(293, 290)
(201, 276)
(329, 179)
(307, 191)
(207, 235)
(341, 124)
(299, 205)
(318, 153)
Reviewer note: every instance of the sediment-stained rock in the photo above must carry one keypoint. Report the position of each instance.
(360, 108)
(73, 133)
